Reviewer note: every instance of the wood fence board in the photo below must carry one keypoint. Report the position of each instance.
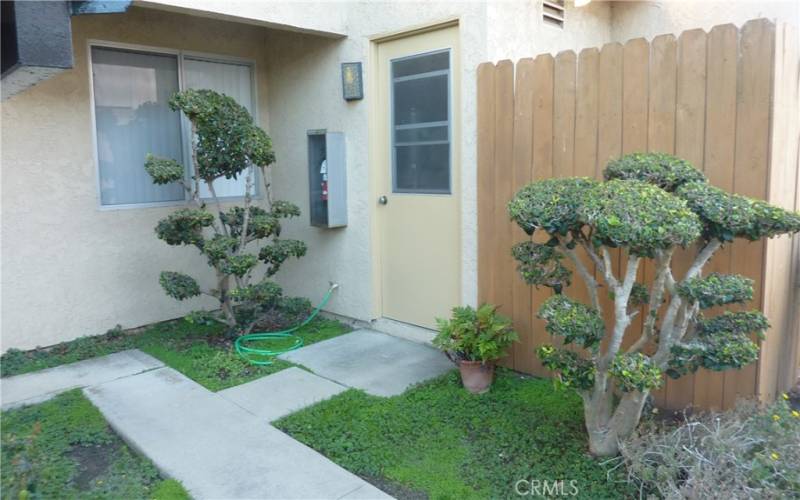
(777, 362)
(503, 168)
(689, 144)
(543, 105)
(485, 193)
(720, 142)
(722, 100)
(756, 46)
(635, 90)
(523, 157)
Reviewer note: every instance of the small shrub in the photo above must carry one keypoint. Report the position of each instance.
(475, 335)
(749, 452)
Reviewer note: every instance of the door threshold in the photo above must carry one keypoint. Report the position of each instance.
(402, 330)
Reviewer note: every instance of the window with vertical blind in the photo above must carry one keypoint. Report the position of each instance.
(132, 118)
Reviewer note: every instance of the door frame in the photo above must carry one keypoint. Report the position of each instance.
(374, 117)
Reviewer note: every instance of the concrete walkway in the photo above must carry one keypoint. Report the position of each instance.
(220, 445)
(374, 362)
(42, 385)
(214, 447)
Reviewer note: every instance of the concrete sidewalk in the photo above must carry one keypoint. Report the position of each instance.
(374, 362)
(220, 445)
(216, 448)
(42, 385)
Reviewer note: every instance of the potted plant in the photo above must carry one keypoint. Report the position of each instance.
(474, 340)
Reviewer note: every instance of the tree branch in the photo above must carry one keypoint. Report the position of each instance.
(676, 305)
(608, 270)
(622, 318)
(656, 297)
(588, 279)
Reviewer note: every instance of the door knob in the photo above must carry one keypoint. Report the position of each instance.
(383, 200)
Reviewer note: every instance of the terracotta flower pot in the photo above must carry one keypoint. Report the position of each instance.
(476, 376)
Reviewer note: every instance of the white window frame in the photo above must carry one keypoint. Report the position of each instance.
(184, 133)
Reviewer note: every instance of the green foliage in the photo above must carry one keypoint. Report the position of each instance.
(238, 265)
(438, 441)
(228, 140)
(228, 143)
(572, 320)
(193, 348)
(276, 254)
(261, 223)
(184, 226)
(63, 448)
(475, 335)
(720, 343)
(219, 247)
(665, 171)
(265, 292)
(717, 290)
(551, 204)
(540, 264)
(734, 323)
(569, 368)
(635, 372)
(179, 286)
(727, 216)
(639, 216)
(163, 170)
(750, 451)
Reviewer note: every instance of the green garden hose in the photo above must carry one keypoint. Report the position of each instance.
(263, 357)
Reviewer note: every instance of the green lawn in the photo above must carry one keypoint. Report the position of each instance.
(200, 352)
(63, 448)
(438, 441)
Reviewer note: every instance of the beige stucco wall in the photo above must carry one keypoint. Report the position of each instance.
(68, 268)
(649, 19)
(305, 93)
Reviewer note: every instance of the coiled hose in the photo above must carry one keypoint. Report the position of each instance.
(263, 357)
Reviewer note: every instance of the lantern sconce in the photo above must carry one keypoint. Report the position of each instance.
(352, 81)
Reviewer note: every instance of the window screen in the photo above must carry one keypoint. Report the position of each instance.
(421, 123)
(131, 90)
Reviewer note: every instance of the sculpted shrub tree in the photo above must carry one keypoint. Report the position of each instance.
(648, 205)
(226, 145)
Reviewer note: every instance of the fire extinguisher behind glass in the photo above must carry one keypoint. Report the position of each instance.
(323, 170)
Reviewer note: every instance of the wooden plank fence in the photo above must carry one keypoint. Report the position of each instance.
(726, 100)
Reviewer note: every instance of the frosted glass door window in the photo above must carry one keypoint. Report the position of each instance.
(421, 123)
(234, 80)
(131, 91)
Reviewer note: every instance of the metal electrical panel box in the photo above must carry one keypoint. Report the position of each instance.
(327, 178)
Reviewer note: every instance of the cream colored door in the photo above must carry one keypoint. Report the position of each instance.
(417, 175)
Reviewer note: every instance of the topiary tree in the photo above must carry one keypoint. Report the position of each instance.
(648, 205)
(227, 144)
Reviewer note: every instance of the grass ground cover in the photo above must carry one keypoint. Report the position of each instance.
(438, 441)
(63, 448)
(199, 351)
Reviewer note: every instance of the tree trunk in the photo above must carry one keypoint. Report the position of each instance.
(606, 432)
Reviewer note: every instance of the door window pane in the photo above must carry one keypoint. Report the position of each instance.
(421, 123)
(423, 168)
(131, 91)
(234, 80)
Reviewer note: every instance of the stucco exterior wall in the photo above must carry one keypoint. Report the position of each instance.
(305, 93)
(68, 268)
(649, 19)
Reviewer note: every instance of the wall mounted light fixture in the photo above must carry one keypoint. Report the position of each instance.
(352, 81)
